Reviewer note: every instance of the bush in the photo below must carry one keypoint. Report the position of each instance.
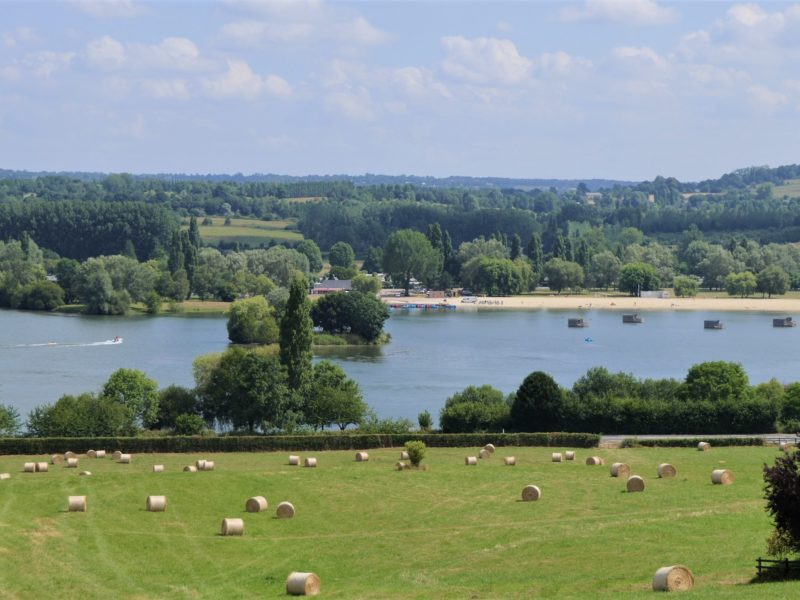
(187, 424)
(425, 420)
(416, 452)
(474, 409)
(782, 491)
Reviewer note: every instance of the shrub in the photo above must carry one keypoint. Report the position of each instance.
(782, 491)
(187, 424)
(474, 409)
(416, 451)
(425, 420)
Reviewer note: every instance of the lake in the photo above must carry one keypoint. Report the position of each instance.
(431, 355)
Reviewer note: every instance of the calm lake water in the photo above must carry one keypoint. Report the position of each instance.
(431, 355)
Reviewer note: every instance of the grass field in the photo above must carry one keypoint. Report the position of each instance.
(250, 232)
(790, 188)
(449, 531)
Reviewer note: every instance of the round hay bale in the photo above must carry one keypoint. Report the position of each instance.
(569, 455)
(56, 459)
(116, 455)
(72, 463)
(471, 460)
(85, 473)
(557, 457)
(531, 493)
(619, 469)
(722, 477)
(158, 468)
(156, 503)
(510, 461)
(362, 457)
(310, 462)
(29, 467)
(256, 504)
(77, 503)
(200, 464)
(404, 455)
(489, 448)
(68, 454)
(125, 459)
(285, 510)
(676, 578)
(703, 446)
(100, 454)
(484, 453)
(635, 484)
(208, 465)
(785, 446)
(302, 584)
(294, 460)
(666, 470)
(5, 476)
(232, 527)
(41, 467)
(594, 461)
(91, 454)
(190, 469)
(400, 465)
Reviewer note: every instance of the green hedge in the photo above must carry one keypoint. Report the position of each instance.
(692, 442)
(28, 446)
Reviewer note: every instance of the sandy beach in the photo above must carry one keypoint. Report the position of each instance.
(783, 306)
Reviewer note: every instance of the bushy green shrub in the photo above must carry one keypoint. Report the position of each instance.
(186, 424)
(416, 452)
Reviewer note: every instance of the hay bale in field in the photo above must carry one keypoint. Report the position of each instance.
(489, 448)
(302, 584)
(285, 510)
(594, 461)
(91, 454)
(99, 453)
(256, 504)
(294, 460)
(400, 465)
(5, 476)
(510, 461)
(68, 454)
(208, 465)
(362, 457)
(666, 470)
(635, 484)
(156, 503)
(41, 467)
(116, 455)
(77, 503)
(200, 464)
(569, 455)
(471, 460)
(72, 463)
(619, 469)
(484, 453)
(158, 468)
(703, 446)
(310, 462)
(785, 446)
(557, 457)
(56, 459)
(404, 455)
(531, 493)
(676, 578)
(85, 473)
(232, 527)
(722, 477)
(124, 459)
(190, 469)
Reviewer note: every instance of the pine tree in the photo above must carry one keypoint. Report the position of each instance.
(297, 333)
(194, 233)
(535, 253)
(516, 247)
(175, 262)
(560, 248)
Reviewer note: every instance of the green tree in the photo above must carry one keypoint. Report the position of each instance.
(366, 284)
(635, 278)
(9, 420)
(782, 490)
(716, 266)
(373, 263)
(332, 397)
(685, 286)
(252, 321)
(516, 246)
(474, 409)
(408, 254)
(715, 381)
(187, 424)
(425, 421)
(604, 269)
(741, 284)
(67, 275)
(311, 251)
(630, 236)
(537, 405)
(85, 415)
(41, 295)
(493, 276)
(563, 274)
(194, 233)
(341, 255)
(350, 312)
(535, 253)
(296, 334)
(136, 391)
(174, 401)
(773, 280)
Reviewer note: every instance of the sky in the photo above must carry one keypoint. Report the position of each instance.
(616, 89)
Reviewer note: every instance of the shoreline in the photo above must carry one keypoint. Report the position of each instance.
(779, 306)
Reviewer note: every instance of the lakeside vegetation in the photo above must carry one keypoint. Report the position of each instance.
(470, 533)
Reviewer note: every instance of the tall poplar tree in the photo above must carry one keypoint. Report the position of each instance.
(297, 333)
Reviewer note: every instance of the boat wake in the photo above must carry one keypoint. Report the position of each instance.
(114, 342)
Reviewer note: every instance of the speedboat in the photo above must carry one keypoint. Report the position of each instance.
(117, 340)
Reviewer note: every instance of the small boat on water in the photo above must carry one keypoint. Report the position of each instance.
(634, 318)
(578, 322)
(715, 324)
(117, 340)
(784, 322)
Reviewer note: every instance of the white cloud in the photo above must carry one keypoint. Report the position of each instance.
(166, 89)
(360, 30)
(639, 58)
(356, 105)
(419, 83)
(171, 54)
(766, 100)
(628, 12)
(485, 60)
(240, 81)
(254, 33)
(108, 9)
(38, 64)
(20, 36)
(560, 63)
(106, 53)
(134, 128)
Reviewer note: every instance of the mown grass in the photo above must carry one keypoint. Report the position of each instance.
(249, 232)
(790, 188)
(448, 531)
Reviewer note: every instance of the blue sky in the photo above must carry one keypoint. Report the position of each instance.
(625, 89)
